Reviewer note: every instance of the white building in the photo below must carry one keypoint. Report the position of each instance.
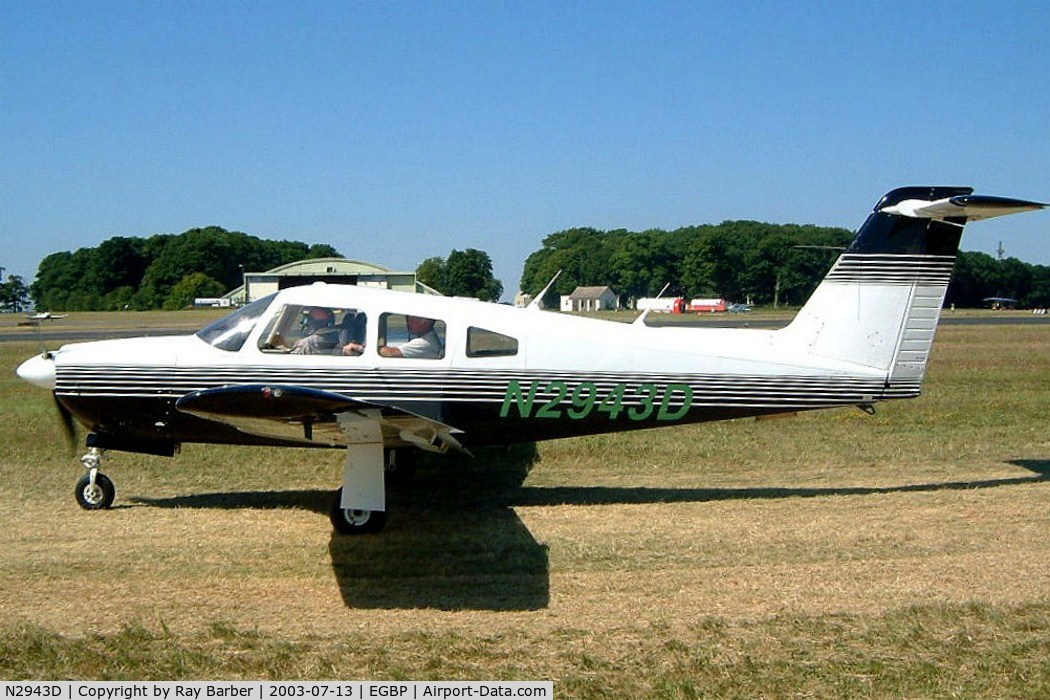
(590, 299)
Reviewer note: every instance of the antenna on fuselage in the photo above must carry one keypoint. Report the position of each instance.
(537, 302)
(640, 321)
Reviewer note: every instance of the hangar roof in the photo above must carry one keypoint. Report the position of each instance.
(328, 265)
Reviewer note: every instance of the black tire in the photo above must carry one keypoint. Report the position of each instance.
(98, 498)
(399, 466)
(354, 522)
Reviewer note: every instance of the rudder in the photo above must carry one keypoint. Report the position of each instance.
(879, 305)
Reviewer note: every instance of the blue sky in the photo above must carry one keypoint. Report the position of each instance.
(396, 131)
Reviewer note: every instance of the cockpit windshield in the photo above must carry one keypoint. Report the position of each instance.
(230, 332)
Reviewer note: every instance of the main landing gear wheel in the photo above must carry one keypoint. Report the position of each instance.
(97, 495)
(348, 521)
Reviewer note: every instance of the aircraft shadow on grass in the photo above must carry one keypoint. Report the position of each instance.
(603, 495)
(455, 542)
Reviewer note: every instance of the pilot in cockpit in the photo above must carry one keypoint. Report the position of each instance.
(318, 335)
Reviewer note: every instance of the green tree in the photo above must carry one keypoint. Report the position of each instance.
(120, 299)
(118, 262)
(975, 274)
(641, 264)
(1039, 297)
(1014, 279)
(431, 272)
(190, 287)
(714, 266)
(583, 255)
(14, 294)
(468, 273)
(319, 250)
(58, 280)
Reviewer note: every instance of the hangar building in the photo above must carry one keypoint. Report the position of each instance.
(332, 270)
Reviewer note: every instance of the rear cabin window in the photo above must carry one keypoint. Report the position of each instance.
(486, 343)
(417, 337)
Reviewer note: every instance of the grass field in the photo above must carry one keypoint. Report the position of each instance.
(830, 554)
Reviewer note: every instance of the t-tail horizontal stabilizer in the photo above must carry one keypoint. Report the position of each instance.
(878, 307)
(972, 207)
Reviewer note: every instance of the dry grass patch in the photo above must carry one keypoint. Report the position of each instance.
(830, 554)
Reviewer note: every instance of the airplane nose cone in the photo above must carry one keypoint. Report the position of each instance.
(39, 370)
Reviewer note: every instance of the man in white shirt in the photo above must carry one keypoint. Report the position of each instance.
(424, 341)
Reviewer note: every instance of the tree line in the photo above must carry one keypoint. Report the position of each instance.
(738, 260)
(170, 271)
(750, 261)
(744, 261)
(162, 271)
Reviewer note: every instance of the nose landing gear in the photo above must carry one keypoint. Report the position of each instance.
(94, 490)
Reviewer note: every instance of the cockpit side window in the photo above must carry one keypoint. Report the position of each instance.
(315, 330)
(230, 332)
(486, 343)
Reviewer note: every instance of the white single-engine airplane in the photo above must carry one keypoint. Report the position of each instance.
(376, 371)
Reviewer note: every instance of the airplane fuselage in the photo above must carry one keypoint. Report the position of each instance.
(545, 376)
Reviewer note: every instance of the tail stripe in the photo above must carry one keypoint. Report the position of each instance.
(892, 269)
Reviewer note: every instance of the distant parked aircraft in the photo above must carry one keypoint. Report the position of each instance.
(1000, 302)
(45, 316)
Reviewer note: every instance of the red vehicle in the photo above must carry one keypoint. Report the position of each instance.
(701, 306)
(667, 305)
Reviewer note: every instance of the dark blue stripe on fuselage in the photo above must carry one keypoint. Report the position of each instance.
(491, 406)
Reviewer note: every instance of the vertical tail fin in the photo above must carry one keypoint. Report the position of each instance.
(879, 305)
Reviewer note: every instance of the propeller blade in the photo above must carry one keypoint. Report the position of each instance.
(69, 427)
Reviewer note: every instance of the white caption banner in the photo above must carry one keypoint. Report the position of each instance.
(267, 690)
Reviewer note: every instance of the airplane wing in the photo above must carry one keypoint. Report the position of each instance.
(314, 417)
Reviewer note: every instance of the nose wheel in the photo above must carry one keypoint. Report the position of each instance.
(94, 490)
